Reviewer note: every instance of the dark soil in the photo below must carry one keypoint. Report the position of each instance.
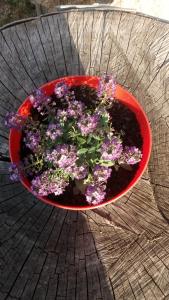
(123, 119)
(86, 94)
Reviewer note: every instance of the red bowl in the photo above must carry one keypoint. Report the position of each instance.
(125, 97)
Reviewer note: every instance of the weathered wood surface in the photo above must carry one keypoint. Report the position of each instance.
(117, 252)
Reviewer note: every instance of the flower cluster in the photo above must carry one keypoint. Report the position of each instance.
(101, 173)
(70, 142)
(48, 183)
(39, 100)
(32, 140)
(14, 172)
(111, 149)
(130, 156)
(53, 131)
(107, 87)
(75, 109)
(63, 156)
(14, 120)
(61, 89)
(88, 123)
(95, 192)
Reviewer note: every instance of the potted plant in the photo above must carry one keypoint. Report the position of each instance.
(79, 142)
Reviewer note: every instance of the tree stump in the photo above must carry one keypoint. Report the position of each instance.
(116, 252)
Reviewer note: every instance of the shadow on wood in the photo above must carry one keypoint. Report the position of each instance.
(119, 251)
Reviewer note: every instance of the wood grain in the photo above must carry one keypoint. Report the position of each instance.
(117, 252)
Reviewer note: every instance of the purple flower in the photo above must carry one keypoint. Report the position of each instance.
(61, 89)
(53, 131)
(131, 156)
(101, 173)
(37, 94)
(63, 156)
(39, 99)
(80, 172)
(102, 111)
(87, 124)
(111, 149)
(95, 194)
(32, 140)
(47, 183)
(75, 108)
(100, 89)
(106, 87)
(14, 120)
(61, 115)
(14, 172)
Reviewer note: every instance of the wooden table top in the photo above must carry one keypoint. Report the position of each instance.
(120, 251)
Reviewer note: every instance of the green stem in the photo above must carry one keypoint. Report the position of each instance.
(34, 164)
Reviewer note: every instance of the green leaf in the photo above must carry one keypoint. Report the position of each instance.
(89, 179)
(104, 120)
(96, 137)
(81, 140)
(89, 139)
(82, 151)
(92, 149)
(107, 163)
